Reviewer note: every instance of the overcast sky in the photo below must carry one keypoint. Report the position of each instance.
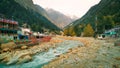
(68, 7)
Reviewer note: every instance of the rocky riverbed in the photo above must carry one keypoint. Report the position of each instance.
(38, 55)
(65, 52)
(95, 54)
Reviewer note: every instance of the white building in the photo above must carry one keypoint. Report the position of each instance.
(24, 33)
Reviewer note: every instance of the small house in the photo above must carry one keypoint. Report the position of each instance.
(24, 33)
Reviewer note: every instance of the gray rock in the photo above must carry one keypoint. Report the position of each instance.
(25, 59)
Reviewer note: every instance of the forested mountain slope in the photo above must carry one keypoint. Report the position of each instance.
(24, 11)
(102, 16)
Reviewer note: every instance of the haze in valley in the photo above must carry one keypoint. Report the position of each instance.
(68, 7)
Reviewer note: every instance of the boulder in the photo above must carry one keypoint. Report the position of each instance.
(57, 55)
(10, 45)
(15, 58)
(25, 59)
(24, 47)
(3, 55)
(5, 50)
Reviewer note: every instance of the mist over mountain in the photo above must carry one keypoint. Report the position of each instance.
(56, 17)
(59, 18)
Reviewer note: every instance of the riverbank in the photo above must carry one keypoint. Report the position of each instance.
(95, 54)
(65, 52)
(24, 55)
(38, 55)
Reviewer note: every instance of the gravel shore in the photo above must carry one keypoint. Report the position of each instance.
(95, 54)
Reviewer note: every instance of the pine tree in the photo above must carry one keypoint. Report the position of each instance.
(66, 31)
(88, 31)
(71, 31)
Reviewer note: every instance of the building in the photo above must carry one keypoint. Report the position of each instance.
(114, 32)
(38, 35)
(24, 33)
(8, 29)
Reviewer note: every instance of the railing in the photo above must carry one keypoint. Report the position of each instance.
(8, 21)
(12, 28)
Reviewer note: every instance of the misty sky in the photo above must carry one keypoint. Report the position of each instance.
(68, 7)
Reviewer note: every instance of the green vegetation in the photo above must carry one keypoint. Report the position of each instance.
(70, 32)
(10, 9)
(88, 31)
(102, 16)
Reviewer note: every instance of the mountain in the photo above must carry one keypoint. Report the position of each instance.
(24, 11)
(42, 11)
(58, 18)
(103, 16)
(55, 17)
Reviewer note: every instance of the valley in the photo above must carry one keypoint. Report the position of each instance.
(33, 36)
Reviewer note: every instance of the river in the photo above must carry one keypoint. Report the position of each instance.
(43, 58)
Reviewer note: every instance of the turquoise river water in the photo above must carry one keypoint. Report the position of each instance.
(43, 58)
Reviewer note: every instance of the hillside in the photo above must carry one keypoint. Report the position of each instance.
(55, 17)
(106, 15)
(58, 18)
(24, 11)
(42, 11)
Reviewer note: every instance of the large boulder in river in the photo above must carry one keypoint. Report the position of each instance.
(20, 57)
(10, 45)
(24, 59)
